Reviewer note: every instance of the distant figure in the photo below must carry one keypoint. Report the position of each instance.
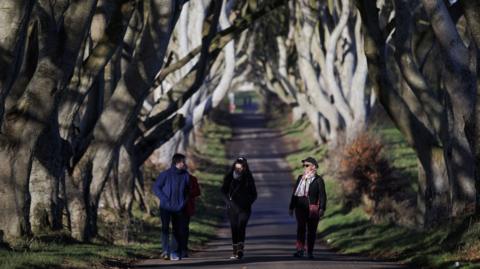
(308, 201)
(171, 187)
(239, 193)
(231, 102)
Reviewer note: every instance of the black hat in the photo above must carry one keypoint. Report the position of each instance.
(311, 160)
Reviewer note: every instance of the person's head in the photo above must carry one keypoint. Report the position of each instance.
(179, 161)
(240, 166)
(310, 165)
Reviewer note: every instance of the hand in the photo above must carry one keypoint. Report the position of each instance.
(290, 212)
(320, 213)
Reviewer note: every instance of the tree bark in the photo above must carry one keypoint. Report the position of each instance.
(330, 78)
(472, 14)
(107, 44)
(44, 183)
(460, 84)
(307, 72)
(30, 117)
(110, 131)
(14, 20)
(434, 193)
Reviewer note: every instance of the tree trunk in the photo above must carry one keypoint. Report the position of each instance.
(120, 186)
(460, 83)
(139, 194)
(358, 97)
(108, 41)
(472, 15)
(14, 19)
(30, 117)
(47, 169)
(76, 207)
(330, 78)
(110, 130)
(435, 197)
(319, 98)
(434, 201)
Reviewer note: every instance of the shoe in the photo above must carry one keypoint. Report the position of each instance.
(299, 254)
(240, 250)
(184, 254)
(310, 256)
(165, 256)
(174, 256)
(235, 251)
(240, 254)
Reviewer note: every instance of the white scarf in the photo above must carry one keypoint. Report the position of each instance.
(304, 185)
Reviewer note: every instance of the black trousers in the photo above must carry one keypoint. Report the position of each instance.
(186, 233)
(177, 219)
(238, 222)
(305, 224)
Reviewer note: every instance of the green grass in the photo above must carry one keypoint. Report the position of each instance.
(437, 248)
(58, 255)
(397, 150)
(352, 232)
(211, 158)
(211, 165)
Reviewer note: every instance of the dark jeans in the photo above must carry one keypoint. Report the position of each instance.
(178, 223)
(305, 225)
(238, 222)
(186, 234)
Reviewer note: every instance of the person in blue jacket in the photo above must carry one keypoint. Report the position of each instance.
(171, 187)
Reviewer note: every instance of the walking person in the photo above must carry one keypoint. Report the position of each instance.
(171, 187)
(193, 193)
(308, 202)
(239, 193)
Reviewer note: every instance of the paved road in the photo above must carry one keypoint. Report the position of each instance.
(271, 232)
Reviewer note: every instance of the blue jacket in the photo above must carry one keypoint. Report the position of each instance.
(171, 188)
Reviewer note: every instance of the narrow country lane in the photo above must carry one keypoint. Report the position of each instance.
(271, 232)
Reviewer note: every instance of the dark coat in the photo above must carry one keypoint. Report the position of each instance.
(316, 193)
(171, 187)
(242, 191)
(193, 192)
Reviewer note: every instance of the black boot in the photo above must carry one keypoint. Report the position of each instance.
(240, 250)
(235, 251)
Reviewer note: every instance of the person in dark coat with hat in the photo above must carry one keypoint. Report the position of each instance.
(239, 193)
(308, 202)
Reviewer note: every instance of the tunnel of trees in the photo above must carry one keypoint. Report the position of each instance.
(90, 89)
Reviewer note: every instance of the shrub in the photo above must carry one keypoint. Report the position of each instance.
(368, 179)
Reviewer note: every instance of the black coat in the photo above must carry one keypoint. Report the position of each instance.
(241, 191)
(316, 193)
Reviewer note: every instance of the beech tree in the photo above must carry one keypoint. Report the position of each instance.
(90, 89)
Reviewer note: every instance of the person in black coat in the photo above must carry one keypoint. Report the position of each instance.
(239, 193)
(308, 201)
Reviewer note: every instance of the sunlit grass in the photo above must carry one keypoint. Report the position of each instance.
(397, 150)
